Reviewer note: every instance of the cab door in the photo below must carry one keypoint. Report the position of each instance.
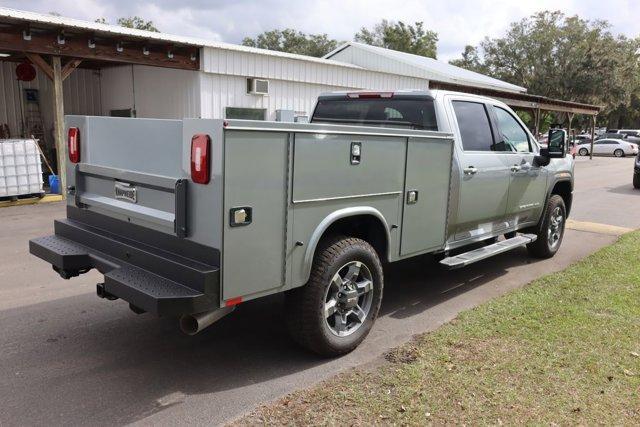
(528, 183)
(483, 171)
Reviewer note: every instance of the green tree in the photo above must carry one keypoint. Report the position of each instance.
(402, 37)
(470, 60)
(132, 22)
(564, 57)
(292, 41)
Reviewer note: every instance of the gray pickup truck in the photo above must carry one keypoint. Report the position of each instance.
(189, 218)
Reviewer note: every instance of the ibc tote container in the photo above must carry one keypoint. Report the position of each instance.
(20, 168)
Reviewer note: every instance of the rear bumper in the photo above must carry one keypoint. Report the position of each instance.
(157, 281)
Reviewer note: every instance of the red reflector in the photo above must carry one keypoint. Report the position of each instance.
(233, 301)
(73, 144)
(200, 154)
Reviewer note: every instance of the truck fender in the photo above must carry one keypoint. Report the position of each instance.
(563, 177)
(330, 219)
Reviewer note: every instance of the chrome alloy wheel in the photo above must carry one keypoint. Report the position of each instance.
(554, 230)
(348, 299)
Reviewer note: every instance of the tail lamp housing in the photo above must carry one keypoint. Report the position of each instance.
(73, 144)
(201, 158)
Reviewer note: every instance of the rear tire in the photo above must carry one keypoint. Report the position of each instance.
(551, 230)
(335, 310)
(618, 153)
(583, 152)
(636, 180)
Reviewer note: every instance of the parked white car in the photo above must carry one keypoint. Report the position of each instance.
(609, 147)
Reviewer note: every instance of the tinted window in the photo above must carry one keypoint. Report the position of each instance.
(390, 112)
(514, 137)
(473, 122)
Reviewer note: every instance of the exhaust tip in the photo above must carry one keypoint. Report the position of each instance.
(189, 324)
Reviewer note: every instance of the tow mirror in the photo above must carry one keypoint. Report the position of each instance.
(557, 146)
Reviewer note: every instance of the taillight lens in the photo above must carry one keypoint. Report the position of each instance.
(359, 95)
(73, 144)
(200, 158)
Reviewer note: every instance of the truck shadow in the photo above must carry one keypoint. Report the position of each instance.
(90, 362)
(627, 190)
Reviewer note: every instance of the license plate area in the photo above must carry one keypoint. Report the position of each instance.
(125, 191)
(152, 201)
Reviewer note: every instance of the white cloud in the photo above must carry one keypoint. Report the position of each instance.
(457, 22)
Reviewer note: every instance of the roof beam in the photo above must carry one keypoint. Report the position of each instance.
(79, 46)
(70, 66)
(40, 63)
(524, 100)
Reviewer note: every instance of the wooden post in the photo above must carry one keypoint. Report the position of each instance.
(58, 119)
(593, 135)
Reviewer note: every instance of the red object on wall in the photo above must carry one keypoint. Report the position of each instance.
(25, 71)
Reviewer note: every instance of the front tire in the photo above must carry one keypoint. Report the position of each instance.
(636, 180)
(551, 230)
(583, 152)
(336, 309)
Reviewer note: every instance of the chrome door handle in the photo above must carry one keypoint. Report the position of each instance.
(515, 168)
(470, 170)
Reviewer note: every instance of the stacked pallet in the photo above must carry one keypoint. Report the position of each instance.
(20, 168)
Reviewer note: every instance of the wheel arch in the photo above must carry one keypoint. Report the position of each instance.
(364, 222)
(564, 189)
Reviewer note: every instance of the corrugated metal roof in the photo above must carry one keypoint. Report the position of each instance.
(431, 68)
(115, 30)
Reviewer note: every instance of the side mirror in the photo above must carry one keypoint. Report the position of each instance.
(557, 147)
(543, 158)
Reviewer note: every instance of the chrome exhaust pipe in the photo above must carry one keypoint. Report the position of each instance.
(191, 324)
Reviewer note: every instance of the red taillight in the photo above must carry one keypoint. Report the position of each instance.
(200, 154)
(357, 95)
(73, 144)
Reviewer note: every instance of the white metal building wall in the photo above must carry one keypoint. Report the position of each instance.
(330, 73)
(220, 91)
(81, 96)
(294, 84)
(161, 93)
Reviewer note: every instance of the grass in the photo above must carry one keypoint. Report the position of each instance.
(563, 350)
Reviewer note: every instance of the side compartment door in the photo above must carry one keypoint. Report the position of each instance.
(255, 212)
(483, 170)
(426, 194)
(528, 185)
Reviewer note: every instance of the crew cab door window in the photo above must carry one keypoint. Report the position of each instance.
(474, 125)
(512, 135)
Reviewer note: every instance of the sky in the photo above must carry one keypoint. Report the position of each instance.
(457, 23)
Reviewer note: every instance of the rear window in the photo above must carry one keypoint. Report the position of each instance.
(404, 113)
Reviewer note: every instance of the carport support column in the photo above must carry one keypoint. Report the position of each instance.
(536, 118)
(593, 135)
(58, 118)
(570, 119)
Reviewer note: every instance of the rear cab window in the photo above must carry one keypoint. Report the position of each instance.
(417, 112)
(475, 127)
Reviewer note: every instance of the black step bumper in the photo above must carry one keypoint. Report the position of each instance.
(157, 281)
